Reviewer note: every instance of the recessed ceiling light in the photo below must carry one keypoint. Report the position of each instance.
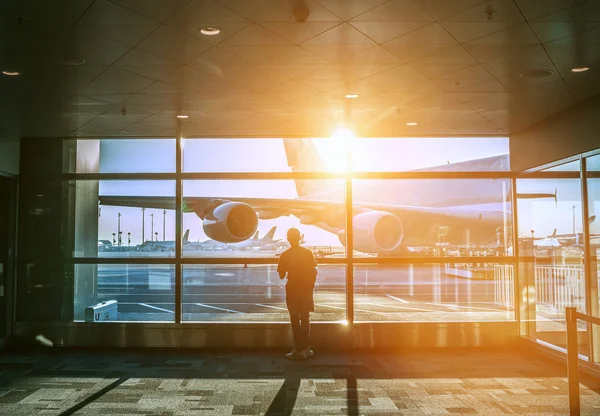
(182, 116)
(580, 69)
(352, 95)
(210, 31)
(10, 73)
(411, 123)
(536, 73)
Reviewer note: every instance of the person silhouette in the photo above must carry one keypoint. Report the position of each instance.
(298, 265)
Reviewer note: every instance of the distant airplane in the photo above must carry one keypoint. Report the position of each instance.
(163, 245)
(560, 240)
(390, 217)
(265, 243)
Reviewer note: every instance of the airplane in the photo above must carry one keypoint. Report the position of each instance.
(561, 240)
(163, 245)
(265, 243)
(388, 220)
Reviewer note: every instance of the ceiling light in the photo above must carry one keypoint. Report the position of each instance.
(182, 116)
(352, 95)
(536, 73)
(10, 73)
(72, 61)
(580, 69)
(210, 31)
(411, 123)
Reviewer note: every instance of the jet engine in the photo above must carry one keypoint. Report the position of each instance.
(231, 222)
(376, 232)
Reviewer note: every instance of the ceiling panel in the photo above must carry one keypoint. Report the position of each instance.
(419, 43)
(383, 31)
(441, 9)
(116, 81)
(535, 9)
(158, 10)
(299, 32)
(169, 43)
(348, 9)
(284, 13)
(395, 11)
(127, 67)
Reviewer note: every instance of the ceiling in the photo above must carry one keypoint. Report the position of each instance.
(128, 67)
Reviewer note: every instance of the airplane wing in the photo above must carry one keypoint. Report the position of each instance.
(310, 211)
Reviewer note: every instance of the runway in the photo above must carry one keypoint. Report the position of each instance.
(256, 294)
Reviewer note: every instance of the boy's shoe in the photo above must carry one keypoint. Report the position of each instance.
(296, 355)
(309, 353)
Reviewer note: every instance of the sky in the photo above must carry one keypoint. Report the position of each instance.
(263, 155)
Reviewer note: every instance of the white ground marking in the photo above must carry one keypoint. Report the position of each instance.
(357, 310)
(155, 307)
(398, 299)
(216, 307)
(404, 308)
(269, 306)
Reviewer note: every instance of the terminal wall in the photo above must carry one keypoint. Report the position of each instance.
(569, 133)
(48, 219)
(9, 156)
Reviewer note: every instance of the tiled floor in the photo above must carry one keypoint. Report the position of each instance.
(62, 382)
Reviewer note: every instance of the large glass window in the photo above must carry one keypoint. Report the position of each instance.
(121, 156)
(330, 155)
(551, 257)
(239, 197)
(125, 292)
(434, 292)
(453, 217)
(254, 293)
(250, 218)
(131, 218)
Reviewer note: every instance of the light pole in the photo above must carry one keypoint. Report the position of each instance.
(164, 223)
(143, 227)
(119, 228)
(152, 228)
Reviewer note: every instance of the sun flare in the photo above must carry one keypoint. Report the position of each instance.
(339, 150)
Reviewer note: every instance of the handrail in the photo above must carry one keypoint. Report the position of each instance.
(573, 356)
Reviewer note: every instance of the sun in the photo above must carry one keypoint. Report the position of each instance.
(339, 150)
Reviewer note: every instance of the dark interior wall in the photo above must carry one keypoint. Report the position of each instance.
(44, 278)
(571, 132)
(9, 156)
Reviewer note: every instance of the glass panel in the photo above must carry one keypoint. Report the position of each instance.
(121, 156)
(593, 187)
(434, 292)
(254, 293)
(116, 218)
(253, 155)
(551, 257)
(125, 292)
(574, 166)
(244, 218)
(329, 155)
(429, 154)
(431, 217)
